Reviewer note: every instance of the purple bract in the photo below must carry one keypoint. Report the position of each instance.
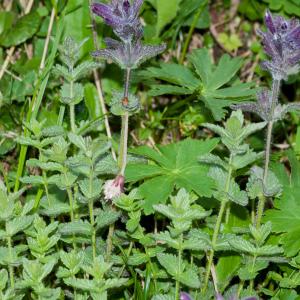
(122, 16)
(128, 55)
(282, 44)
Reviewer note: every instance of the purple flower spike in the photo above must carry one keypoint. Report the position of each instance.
(282, 44)
(122, 16)
(185, 296)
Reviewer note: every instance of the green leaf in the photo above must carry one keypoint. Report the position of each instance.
(78, 141)
(242, 245)
(234, 193)
(160, 89)
(285, 218)
(226, 268)
(175, 165)
(215, 87)
(175, 74)
(137, 259)
(164, 237)
(165, 13)
(18, 224)
(6, 20)
(23, 30)
(106, 217)
(255, 187)
(3, 279)
(75, 227)
(182, 211)
(169, 262)
(190, 278)
(91, 189)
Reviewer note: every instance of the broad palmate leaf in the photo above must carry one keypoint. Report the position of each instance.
(214, 85)
(285, 216)
(173, 165)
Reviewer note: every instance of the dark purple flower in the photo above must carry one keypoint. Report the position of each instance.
(128, 55)
(281, 43)
(185, 296)
(122, 16)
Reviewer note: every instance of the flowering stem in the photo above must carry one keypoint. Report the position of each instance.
(262, 200)
(124, 131)
(218, 225)
(122, 159)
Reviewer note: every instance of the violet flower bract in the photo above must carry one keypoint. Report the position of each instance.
(128, 55)
(122, 16)
(281, 43)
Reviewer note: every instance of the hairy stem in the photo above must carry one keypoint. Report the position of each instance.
(218, 225)
(10, 267)
(177, 285)
(92, 220)
(262, 200)
(91, 211)
(109, 243)
(72, 108)
(122, 159)
(124, 131)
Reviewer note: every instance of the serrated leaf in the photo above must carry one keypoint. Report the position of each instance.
(255, 186)
(179, 166)
(164, 237)
(106, 217)
(190, 278)
(91, 189)
(169, 262)
(76, 227)
(78, 141)
(243, 245)
(18, 224)
(137, 259)
(213, 79)
(285, 219)
(234, 193)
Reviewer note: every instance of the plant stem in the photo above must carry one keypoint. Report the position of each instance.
(124, 131)
(109, 240)
(177, 285)
(91, 210)
(10, 267)
(122, 159)
(72, 109)
(218, 225)
(262, 200)
(61, 114)
(190, 33)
